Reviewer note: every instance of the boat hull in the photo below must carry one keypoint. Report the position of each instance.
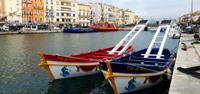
(134, 72)
(107, 29)
(79, 30)
(62, 71)
(132, 84)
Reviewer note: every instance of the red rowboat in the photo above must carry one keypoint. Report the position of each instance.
(77, 64)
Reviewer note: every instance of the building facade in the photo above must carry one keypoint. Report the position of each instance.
(66, 13)
(38, 12)
(112, 14)
(50, 9)
(27, 11)
(2, 10)
(96, 12)
(84, 15)
(12, 9)
(186, 18)
(129, 17)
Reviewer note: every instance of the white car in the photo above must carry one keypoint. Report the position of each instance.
(4, 28)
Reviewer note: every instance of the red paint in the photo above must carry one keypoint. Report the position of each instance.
(91, 56)
(87, 57)
(27, 11)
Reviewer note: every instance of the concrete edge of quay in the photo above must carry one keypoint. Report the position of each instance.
(30, 32)
(182, 83)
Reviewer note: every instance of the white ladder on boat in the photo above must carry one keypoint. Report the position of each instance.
(126, 41)
(159, 39)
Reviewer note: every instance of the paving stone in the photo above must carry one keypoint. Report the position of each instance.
(183, 83)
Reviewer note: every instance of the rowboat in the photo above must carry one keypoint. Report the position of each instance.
(143, 68)
(86, 63)
(134, 72)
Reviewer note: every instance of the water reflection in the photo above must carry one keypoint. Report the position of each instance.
(91, 84)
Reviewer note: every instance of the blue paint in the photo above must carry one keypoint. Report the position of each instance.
(64, 71)
(131, 84)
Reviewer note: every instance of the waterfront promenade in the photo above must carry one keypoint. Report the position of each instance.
(183, 83)
(31, 32)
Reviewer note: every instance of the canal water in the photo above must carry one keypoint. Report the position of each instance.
(19, 59)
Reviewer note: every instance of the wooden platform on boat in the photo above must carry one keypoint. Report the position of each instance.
(184, 83)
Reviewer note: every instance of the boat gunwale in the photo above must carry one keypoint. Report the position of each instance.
(117, 74)
(69, 63)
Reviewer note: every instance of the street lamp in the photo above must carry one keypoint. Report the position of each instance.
(191, 12)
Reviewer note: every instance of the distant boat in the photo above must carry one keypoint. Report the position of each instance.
(175, 32)
(79, 30)
(104, 27)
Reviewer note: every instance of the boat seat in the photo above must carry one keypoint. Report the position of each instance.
(150, 59)
(114, 51)
(151, 67)
(150, 62)
(151, 55)
(147, 61)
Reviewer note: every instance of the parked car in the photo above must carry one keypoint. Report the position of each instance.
(31, 27)
(4, 28)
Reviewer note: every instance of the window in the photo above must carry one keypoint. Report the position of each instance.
(68, 14)
(40, 19)
(57, 20)
(62, 3)
(57, 14)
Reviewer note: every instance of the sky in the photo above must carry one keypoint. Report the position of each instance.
(154, 9)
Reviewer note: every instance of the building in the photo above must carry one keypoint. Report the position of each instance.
(96, 12)
(66, 13)
(84, 15)
(50, 9)
(129, 17)
(2, 10)
(11, 9)
(27, 11)
(186, 18)
(38, 13)
(112, 14)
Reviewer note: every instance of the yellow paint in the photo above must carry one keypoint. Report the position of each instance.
(134, 68)
(69, 64)
(45, 65)
(109, 76)
(38, 11)
(136, 75)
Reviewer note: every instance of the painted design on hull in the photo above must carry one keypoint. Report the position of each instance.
(64, 71)
(131, 85)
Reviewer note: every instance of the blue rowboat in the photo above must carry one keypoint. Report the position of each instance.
(135, 72)
(79, 30)
(143, 68)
